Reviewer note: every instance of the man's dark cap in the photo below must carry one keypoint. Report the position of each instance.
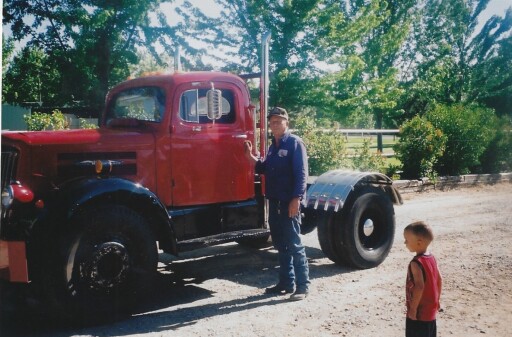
(277, 111)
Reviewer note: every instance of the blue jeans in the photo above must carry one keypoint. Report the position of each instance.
(293, 264)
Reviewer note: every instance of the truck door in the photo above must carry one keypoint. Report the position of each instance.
(208, 163)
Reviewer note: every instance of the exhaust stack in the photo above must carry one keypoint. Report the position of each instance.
(264, 84)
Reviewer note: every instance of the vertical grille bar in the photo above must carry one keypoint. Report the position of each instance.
(9, 161)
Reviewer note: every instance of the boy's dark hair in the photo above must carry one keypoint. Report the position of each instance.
(421, 229)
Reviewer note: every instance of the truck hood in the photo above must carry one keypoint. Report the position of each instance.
(102, 137)
(53, 157)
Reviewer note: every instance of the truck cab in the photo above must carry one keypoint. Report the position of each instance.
(198, 156)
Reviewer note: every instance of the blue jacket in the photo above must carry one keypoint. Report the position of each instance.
(285, 169)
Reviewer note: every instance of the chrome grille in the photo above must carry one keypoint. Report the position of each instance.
(9, 162)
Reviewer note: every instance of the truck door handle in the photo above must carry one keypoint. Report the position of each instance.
(196, 128)
(240, 136)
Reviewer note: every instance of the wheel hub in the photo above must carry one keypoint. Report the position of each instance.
(108, 266)
(368, 227)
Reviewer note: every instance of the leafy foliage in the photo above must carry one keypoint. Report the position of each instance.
(364, 38)
(7, 52)
(366, 160)
(469, 131)
(326, 148)
(497, 157)
(84, 124)
(38, 121)
(362, 63)
(239, 28)
(419, 148)
(89, 44)
(451, 62)
(32, 78)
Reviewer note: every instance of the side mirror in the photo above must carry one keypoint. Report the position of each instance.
(214, 103)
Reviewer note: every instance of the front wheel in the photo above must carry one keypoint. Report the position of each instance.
(110, 258)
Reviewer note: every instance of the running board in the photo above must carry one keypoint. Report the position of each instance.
(218, 239)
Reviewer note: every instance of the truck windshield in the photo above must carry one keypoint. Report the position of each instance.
(142, 103)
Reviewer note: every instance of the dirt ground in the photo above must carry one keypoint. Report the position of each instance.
(218, 291)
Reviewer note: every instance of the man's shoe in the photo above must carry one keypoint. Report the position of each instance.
(299, 295)
(278, 290)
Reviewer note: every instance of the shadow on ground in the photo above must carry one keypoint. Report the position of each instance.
(179, 283)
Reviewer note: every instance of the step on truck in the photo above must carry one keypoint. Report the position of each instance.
(84, 213)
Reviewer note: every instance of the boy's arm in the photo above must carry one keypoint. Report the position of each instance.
(417, 290)
(440, 287)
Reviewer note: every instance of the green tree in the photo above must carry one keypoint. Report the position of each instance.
(7, 52)
(148, 63)
(364, 39)
(237, 31)
(451, 62)
(32, 78)
(90, 42)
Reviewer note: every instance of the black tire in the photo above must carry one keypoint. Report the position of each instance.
(109, 260)
(368, 247)
(346, 241)
(326, 237)
(310, 220)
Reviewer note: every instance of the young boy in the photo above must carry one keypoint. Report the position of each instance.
(424, 283)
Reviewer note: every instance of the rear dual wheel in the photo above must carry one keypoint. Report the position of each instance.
(361, 235)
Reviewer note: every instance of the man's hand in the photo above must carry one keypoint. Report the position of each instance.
(294, 207)
(248, 152)
(248, 147)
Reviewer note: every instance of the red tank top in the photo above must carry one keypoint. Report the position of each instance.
(429, 303)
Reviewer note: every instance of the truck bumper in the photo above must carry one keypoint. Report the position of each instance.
(13, 261)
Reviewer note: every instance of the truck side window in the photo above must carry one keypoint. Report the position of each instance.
(193, 107)
(143, 103)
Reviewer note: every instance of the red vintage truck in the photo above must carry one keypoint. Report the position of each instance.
(84, 212)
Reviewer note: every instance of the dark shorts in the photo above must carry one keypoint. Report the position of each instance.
(420, 328)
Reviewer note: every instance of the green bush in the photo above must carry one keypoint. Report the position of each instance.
(419, 148)
(38, 121)
(84, 124)
(469, 130)
(497, 157)
(326, 148)
(365, 160)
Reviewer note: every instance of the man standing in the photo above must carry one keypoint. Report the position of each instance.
(286, 169)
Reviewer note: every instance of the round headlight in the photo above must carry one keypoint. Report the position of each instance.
(7, 196)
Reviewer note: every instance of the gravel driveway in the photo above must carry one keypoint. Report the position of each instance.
(218, 291)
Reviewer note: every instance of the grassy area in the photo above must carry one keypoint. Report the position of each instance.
(353, 142)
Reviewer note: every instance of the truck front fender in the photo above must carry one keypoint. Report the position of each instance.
(330, 191)
(77, 194)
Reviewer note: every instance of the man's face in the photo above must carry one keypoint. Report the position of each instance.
(278, 126)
